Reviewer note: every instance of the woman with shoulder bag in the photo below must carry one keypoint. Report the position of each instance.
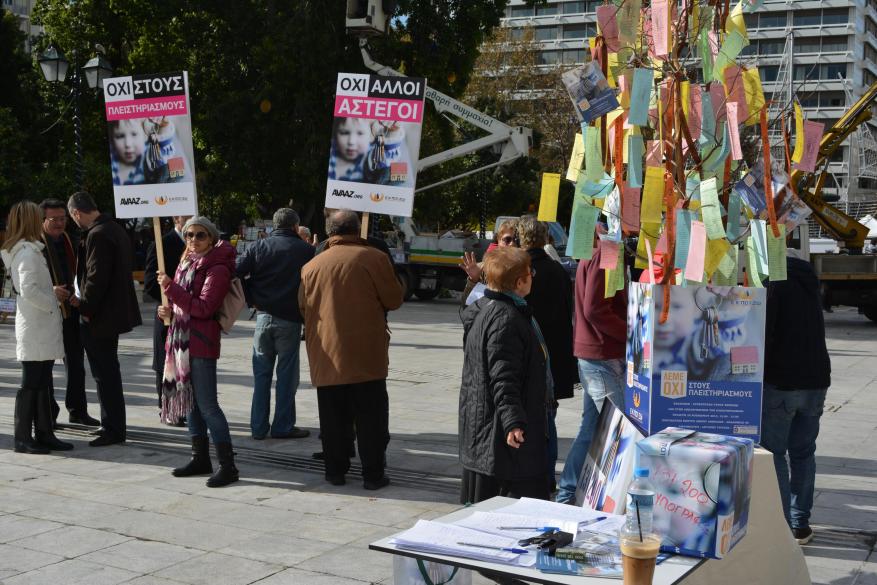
(38, 337)
(189, 388)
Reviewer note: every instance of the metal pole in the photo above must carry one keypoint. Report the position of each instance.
(482, 215)
(77, 127)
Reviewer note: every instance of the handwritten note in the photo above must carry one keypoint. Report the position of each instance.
(593, 154)
(734, 216)
(661, 26)
(630, 206)
(776, 254)
(635, 152)
(726, 273)
(708, 120)
(608, 26)
(711, 209)
(716, 250)
(752, 264)
(576, 159)
(718, 100)
(736, 91)
(734, 130)
(734, 43)
(696, 250)
(757, 229)
(640, 94)
(754, 94)
(609, 254)
(581, 231)
(652, 195)
(548, 199)
(812, 139)
(683, 235)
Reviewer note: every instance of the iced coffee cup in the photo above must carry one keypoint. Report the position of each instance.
(638, 558)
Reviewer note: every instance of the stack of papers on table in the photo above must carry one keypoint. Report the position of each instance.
(512, 525)
(445, 539)
(584, 517)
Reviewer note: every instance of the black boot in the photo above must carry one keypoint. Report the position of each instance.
(200, 463)
(44, 425)
(227, 472)
(25, 409)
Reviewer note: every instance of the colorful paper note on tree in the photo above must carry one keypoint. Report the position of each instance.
(711, 209)
(798, 153)
(716, 250)
(608, 26)
(640, 94)
(652, 195)
(581, 231)
(696, 251)
(609, 254)
(734, 131)
(635, 153)
(812, 139)
(548, 199)
(776, 253)
(683, 235)
(576, 159)
(630, 206)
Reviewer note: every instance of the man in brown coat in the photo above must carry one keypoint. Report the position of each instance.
(344, 295)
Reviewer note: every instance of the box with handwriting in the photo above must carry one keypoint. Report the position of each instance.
(702, 367)
(703, 486)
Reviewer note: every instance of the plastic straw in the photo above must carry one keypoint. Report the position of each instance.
(639, 523)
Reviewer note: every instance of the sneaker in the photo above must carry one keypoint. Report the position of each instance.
(803, 535)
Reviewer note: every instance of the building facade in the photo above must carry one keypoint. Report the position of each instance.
(23, 9)
(825, 52)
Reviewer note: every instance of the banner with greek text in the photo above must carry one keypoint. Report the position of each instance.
(149, 131)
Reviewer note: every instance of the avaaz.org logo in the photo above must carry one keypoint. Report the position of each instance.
(132, 201)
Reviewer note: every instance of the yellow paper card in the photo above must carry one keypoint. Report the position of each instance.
(576, 159)
(799, 134)
(650, 232)
(548, 200)
(736, 22)
(754, 95)
(715, 251)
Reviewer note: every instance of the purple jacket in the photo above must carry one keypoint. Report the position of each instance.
(213, 275)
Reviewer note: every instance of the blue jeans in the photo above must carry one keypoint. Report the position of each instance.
(275, 341)
(790, 425)
(600, 379)
(206, 413)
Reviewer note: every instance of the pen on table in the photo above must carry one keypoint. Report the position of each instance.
(592, 521)
(534, 528)
(520, 551)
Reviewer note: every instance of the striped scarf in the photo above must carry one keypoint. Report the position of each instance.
(177, 397)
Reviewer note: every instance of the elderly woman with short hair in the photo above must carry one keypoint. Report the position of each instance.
(504, 398)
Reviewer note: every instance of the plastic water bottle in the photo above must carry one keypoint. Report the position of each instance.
(640, 505)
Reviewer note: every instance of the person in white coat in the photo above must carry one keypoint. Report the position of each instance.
(38, 338)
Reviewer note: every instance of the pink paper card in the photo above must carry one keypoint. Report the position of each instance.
(736, 91)
(608, 254)
(717, 98)
(651, 261)
(812, 138)
(696, 252)
(695, 111)
(661, 248)
(734, 130)
(609, 26)
(630, 204)
(653, 153)
(660, 26)
(744, 359)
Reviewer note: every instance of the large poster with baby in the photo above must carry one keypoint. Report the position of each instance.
(702, 368)
(149, 132)
(375, 143)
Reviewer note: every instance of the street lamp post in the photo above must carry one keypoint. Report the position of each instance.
(54, 67)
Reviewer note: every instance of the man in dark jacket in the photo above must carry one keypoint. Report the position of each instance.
(107, 304)
(797, 374)
(271, 269)
(61, 260)
(599, 344)
(550, 299)
(173, 245)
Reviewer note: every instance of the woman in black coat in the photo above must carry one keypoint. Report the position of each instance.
(504, 396)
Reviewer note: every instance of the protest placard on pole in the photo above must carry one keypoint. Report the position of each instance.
(149, 131)
(375, 144)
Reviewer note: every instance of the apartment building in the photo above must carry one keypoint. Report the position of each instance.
(22, 9)
(823, 51)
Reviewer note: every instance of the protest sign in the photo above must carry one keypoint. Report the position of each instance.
(701, 369)
(150, 139)
(375, 143)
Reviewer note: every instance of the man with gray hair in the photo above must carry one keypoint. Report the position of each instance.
(271, 272)
(345, 294)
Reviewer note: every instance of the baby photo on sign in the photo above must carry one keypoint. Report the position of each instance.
(370, 151)
(147, 151)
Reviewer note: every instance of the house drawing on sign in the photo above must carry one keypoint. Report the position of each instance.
(398, 172)
(176, 167)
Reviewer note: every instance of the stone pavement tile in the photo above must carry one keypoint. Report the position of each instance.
(333, 530)
(16, 499)
(311, 502)
(136, 497)
(299, 577)
(818, 553)
(142, 556)
(833, 573)
(15, 560)
(218, 569)
(70, 510)
(235, 514)
(853, 509)
(13, 527)
(256, 489)
(280, 549)
(180, 531)
(355, 561)
(14, 474)
(71, 541)
(69, 485)
(152, 580)
(379, 511)
(73, 572)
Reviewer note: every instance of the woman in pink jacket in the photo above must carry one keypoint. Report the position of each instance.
(189, 387)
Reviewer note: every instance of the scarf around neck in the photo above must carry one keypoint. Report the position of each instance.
(177, 397)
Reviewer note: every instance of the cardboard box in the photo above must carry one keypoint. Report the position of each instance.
(702, 369)
(703, 484)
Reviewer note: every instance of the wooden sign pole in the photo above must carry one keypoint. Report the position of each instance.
(363, 232)
(159, 255)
